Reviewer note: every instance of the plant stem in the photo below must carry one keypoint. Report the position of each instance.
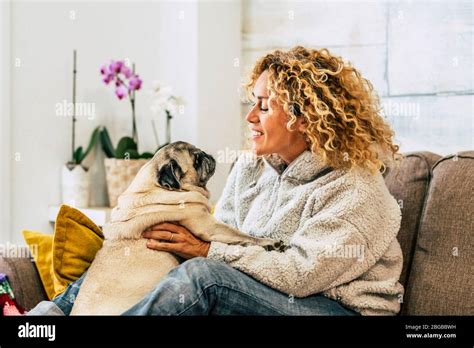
(73, 108)
(131, 96)
(132, 101)
(168, 127)
(134, 132)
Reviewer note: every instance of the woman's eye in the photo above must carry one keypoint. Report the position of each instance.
(260, 105)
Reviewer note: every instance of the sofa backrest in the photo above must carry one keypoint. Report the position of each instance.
(24, 279)
(409, 185)
(440, 281)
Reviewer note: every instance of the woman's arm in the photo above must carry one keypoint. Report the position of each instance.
(306, 267)
(330, 249)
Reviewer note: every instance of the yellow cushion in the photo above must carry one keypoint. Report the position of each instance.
(40, 245)
(74, 245)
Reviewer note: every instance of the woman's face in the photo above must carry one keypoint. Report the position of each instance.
(269, 133)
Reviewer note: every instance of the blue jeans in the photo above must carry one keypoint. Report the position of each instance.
(61, 304)
(206, 287)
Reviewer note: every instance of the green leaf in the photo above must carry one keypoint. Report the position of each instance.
(78, 155)
(92, 142)
(126, 144)
(146, 155)
(107, 144)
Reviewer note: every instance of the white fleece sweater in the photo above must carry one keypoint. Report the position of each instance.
(340, 226)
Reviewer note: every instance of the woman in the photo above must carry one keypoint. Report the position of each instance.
(314, 183)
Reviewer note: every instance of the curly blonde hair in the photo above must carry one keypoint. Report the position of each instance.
(340, 108)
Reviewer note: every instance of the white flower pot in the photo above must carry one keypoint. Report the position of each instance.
(75, 185)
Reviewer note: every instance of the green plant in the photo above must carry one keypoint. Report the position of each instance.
(126, 83)
(79, 154)
(126, 148)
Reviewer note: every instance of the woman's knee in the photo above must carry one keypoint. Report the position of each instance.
(203, 270)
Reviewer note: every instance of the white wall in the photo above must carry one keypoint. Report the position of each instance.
(218, 82)
(171, 42)
(418, 55)
(5, 153)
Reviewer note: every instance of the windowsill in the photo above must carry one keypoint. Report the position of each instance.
(99, 215)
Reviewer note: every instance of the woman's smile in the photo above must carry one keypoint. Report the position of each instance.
(256, 134)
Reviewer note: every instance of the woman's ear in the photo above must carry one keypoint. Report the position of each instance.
(301, 124)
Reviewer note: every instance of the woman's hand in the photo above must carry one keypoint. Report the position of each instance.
(175, 239)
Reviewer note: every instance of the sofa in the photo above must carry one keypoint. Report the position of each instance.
(436, 196)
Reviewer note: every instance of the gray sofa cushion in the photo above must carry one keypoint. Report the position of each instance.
(24, 279)
(440, 281)
(409, 185)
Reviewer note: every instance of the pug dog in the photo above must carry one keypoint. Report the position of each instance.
(170, 187)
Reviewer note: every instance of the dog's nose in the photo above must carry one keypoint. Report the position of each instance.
(205, 155)
(212, 163)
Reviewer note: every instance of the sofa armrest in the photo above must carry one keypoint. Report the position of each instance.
(23, 277)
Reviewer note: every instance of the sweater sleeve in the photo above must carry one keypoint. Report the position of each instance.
(224, 210)
(327, 251)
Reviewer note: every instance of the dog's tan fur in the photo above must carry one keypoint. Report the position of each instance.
(125, 270)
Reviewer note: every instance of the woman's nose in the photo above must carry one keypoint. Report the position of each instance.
(252, 116)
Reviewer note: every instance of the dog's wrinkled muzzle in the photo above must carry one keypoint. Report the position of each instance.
(210, 162)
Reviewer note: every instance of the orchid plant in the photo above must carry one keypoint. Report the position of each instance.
(126, 83)
(164, 103)
(78, 155)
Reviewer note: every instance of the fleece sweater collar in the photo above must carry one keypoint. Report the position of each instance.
(304, 168)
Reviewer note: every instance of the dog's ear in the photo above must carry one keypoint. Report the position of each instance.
(169, 175)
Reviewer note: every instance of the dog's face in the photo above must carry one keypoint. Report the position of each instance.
(181, 165)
